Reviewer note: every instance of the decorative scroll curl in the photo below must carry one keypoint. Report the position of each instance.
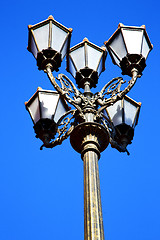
(64, 129)
(67, 90)
(113, 89)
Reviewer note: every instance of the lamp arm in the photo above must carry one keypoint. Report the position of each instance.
(67, 88)
(113, 89)
(63, 133)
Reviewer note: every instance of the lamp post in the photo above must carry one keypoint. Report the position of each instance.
(95, 120)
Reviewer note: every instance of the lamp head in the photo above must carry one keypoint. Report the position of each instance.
(49, 42)
(129, 48)
(124, 116)
(46, 108)
(85, 62)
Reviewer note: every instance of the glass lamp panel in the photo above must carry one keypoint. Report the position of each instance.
(93, 57)
(78, 57)
(118, 46)
(58, 37)
(115, 113)
(72, 69)
(48, 104)
(100, 66)
(117, 61)
(34, 110)
(60, 110)
(64, 49)
(130, 111)
(133, 40)
(145, 47)
(33, 47)
(41, 35)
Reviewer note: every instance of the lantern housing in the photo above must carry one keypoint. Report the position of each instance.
(85, 62)
(49, 41)
(124, 116)
(129, 48)
(46, 108)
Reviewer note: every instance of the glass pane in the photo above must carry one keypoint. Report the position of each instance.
(99, 70)
(64, 49)
(133, 40)
(33, 47)
(78, 58)
(59, 111)
(34, 110)
(58, 37)
(93, 57)
(129, 112)
(117, 61)
(145, 47)
(118, 46)
(41, 35)
(72, 69)
(48, 103)
(115, 113)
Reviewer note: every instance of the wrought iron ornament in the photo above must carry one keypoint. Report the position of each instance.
(95, 104)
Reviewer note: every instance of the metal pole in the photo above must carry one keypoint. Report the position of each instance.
(89, 139)
(93, 221)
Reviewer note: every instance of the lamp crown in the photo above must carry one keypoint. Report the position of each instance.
(120, 25)
(85, 40)
(51, 17)
(29, 26)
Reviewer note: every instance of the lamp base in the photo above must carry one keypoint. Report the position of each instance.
(49, 56)
(89, 136)
(45, 129)
(132, 61)
(123, 134)
(86, 74)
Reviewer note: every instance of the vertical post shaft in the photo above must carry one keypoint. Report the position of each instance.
(90, 139)
(93, 222)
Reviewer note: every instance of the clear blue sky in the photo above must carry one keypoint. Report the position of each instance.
(41, 192)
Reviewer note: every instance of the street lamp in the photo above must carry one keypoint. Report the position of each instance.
(95, 121)
(129, 48)
(46, 108)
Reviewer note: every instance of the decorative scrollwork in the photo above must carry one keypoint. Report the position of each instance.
(113, 89)
(67, 89)
(64, 129)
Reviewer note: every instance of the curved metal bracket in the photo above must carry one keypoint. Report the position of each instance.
(62, 131)
(113, 88)
(67, 88)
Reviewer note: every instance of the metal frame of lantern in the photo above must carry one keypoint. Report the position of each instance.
(130, 60)
(123, 121)
(48, 54)
(86, 72)
(90, 130)
(46, 121)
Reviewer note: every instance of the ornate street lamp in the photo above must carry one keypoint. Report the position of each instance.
(129, 48)
(124, 116)
(96, 120)
(49, 42)
(46, 108)
(86, 61)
